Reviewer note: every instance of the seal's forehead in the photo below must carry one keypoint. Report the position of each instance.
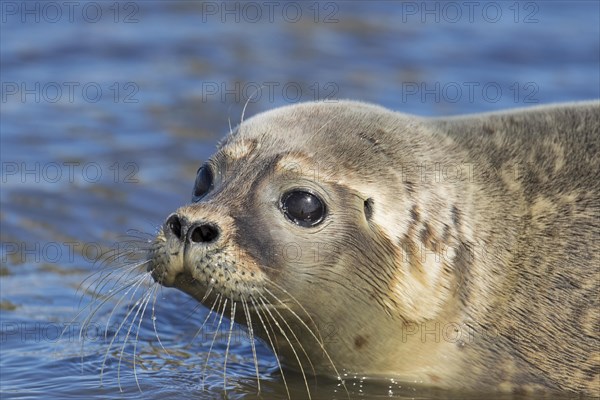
(307, 118)
(250, 150)
(328, 132)
(237, 149)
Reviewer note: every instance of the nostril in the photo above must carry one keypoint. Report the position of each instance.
(174, 225)
(204, 233)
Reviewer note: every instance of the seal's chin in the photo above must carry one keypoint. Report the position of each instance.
(187, 284)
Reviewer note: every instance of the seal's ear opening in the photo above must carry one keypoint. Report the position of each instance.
(369, 208)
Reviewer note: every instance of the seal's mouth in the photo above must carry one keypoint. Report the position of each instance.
(197, 271)
(155, 271)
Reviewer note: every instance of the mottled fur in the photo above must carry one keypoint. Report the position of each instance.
(458, 252)
(538, 173)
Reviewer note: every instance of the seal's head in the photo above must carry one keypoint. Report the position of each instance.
(300, 224)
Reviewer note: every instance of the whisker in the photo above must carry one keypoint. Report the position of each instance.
(205, 319)
(291, 330)
(140, 279)
(227, 347)
(216, 314)
(206, 294)
(261, 299)
(146, 300)
(137, 306)
(118, 285)
(251, 333)
(136, 286)
(102, 276)
(272, 345)
(126, 273)
(154, 317)
(288, 294)
(94, 310)
(248, 101)
(147, 236)
(326, 123)
(229, 119)
(321, 345)
(214, 338)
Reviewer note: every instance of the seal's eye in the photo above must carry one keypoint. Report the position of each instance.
(203, 184)
(303, 208)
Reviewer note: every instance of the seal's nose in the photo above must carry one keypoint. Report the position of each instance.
(191, 232)
(175, 226)
(201, 232)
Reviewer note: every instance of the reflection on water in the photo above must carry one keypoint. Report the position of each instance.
(108, 108)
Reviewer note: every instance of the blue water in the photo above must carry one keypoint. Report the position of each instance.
(107, 110)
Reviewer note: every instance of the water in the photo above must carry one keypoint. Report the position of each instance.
(108, 109)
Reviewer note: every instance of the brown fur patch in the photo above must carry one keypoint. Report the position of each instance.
(427, 237)
(239, 149)
(463, 264)
(415, 214)
(360, 341)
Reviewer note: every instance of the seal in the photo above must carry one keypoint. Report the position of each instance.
(456, 252)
